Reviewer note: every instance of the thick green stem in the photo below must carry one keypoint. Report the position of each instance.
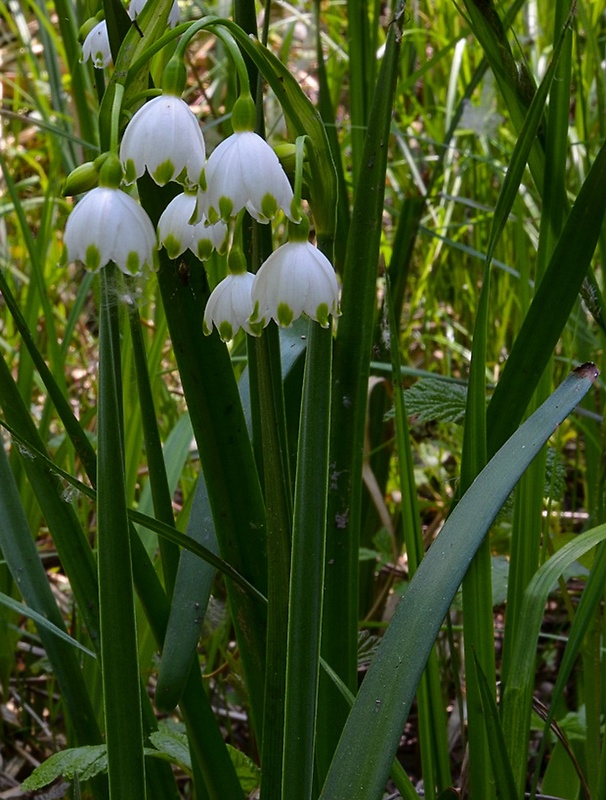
(307, 569)
(121, 698)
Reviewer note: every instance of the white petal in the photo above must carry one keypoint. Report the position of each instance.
(174, 222)
(164, 129)
(244, 169)
(96, 46)
(230, 303)
(113, 223)
(297, 276)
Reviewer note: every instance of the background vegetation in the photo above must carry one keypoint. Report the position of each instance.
(508, 272)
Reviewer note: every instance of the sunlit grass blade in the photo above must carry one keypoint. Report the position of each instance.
(516, 704)
(477, 585)
(578, 642)
(528, 520)
(551, 307)
(374, 726)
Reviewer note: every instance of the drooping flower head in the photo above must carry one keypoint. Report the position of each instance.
(164, 135)
(177, 234)
(136, 6)
(109, 225)
(296, 279)
(96, 46)
(165, 138)
(244, 172)
(230, 305)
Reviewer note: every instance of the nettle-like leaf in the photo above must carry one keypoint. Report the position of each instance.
(435, 400)
(171, 743)
(84, 762)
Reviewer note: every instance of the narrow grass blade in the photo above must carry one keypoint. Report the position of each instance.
(517, 695)
(70, 540)
(499, 757)
(432, 723)
(188, 608)
(551, 307)
(158, 479)
(213, 770)
(373, 729)
(19, 550)
(145, 521)
(42, 622)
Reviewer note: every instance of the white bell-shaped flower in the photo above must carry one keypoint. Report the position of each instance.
(177, 234)
(296, 279)
(230, 305)
(244, 172)
(174, 16)
(96, 46)
(165, 138)
(109, 225)
(208, 237)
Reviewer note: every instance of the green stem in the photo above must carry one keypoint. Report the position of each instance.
(153, 447)
(307, 569)
(121, 698)
(278, 503)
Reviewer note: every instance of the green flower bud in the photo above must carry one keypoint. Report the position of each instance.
(286, 155)
(81, 179)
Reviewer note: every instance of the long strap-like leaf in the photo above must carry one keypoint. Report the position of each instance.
(372, 732)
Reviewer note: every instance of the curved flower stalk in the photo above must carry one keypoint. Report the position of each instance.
(96, 46)
(174, 16)
(230, 305)
(244, 172)
(296, 279)
(177, 234)
(165, 138)
(109, 225)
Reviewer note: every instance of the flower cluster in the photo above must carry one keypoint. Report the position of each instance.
(243, 173)
(96, 42)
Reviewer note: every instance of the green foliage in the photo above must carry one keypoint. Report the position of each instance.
(313, 483)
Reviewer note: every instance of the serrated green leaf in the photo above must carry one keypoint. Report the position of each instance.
(247, 771)
(434, 400)
(86, 762)
(173, 744)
